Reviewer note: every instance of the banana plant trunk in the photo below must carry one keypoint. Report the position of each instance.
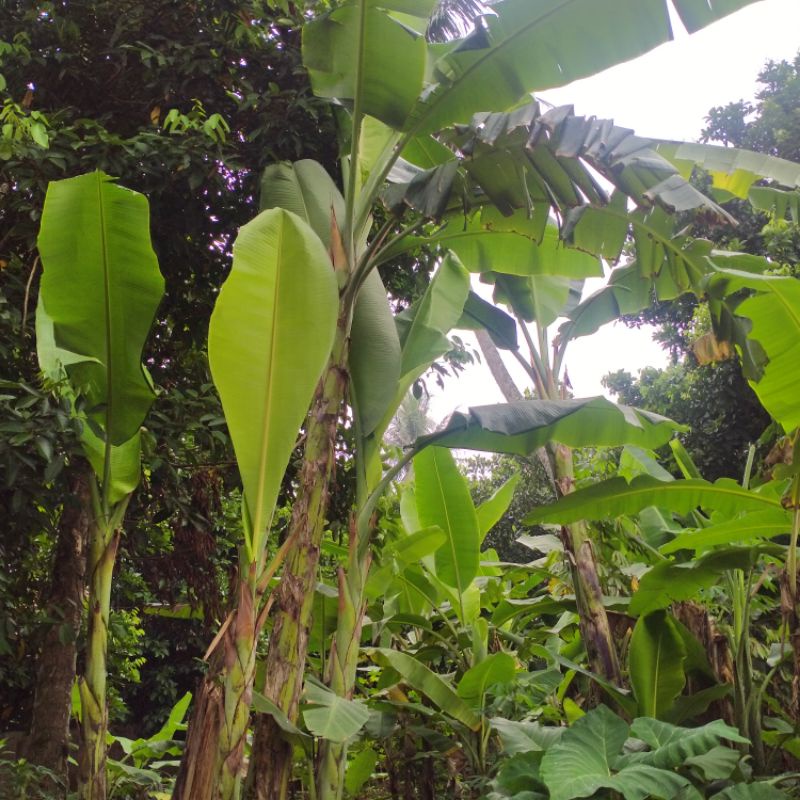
(47, 744)
(104, 541)
(595, 629)
(271, 759)
(341, 678)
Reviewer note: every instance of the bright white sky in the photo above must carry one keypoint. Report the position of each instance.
(666, 94)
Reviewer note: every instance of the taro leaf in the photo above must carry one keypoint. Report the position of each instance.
(497, 668)
(332, 717)
(584, 760)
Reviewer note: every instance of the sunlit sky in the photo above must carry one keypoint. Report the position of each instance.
(666, 94)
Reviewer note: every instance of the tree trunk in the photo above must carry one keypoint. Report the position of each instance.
(47, 744)
(196, 776)
(595, 630)
(271, 759)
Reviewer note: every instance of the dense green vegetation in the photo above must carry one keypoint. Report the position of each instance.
(237, 242)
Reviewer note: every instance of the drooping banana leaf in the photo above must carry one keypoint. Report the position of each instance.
(524, 426)
(616, 497)
(270, 337)
(531, 47)
(731, 169)
(100, 288)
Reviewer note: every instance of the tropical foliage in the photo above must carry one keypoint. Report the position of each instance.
(366, 640)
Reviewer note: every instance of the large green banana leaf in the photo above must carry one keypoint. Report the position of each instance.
(270, 337)
(124, 460)
(306, 189)
(656, 663)
(774, 312)
(481, 315)
(534, 46)
(670, 582)
(524, 426)
(616, 497)
(485, 244)
(750, 527)
(100, 287)
(443, 500)
(424, 680)
(359, 55)
(375, 355)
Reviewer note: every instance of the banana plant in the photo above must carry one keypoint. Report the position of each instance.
(396, 90)
(98, 296)
(271, 335)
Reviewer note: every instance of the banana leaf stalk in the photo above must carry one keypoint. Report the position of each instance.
(104, 541)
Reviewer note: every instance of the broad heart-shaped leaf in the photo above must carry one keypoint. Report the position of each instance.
(524, 426)
(774, 312)
(424, 680)
(750, 527)
(616, 497)
(495, 669)
(332, 717)
(535, 46)
(760, 790)
(374, 354)
(101, 287)
(668, 582)
(443, 500)
(656, 663)
(583, 761)
(671, 745)
(359, 55)
(269, 339)
(304, 188)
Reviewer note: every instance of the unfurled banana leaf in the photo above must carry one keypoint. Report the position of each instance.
(374, 354)
(656, 662)
(100, 288)
(269, 339)
(443, 500)
(306, 189)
